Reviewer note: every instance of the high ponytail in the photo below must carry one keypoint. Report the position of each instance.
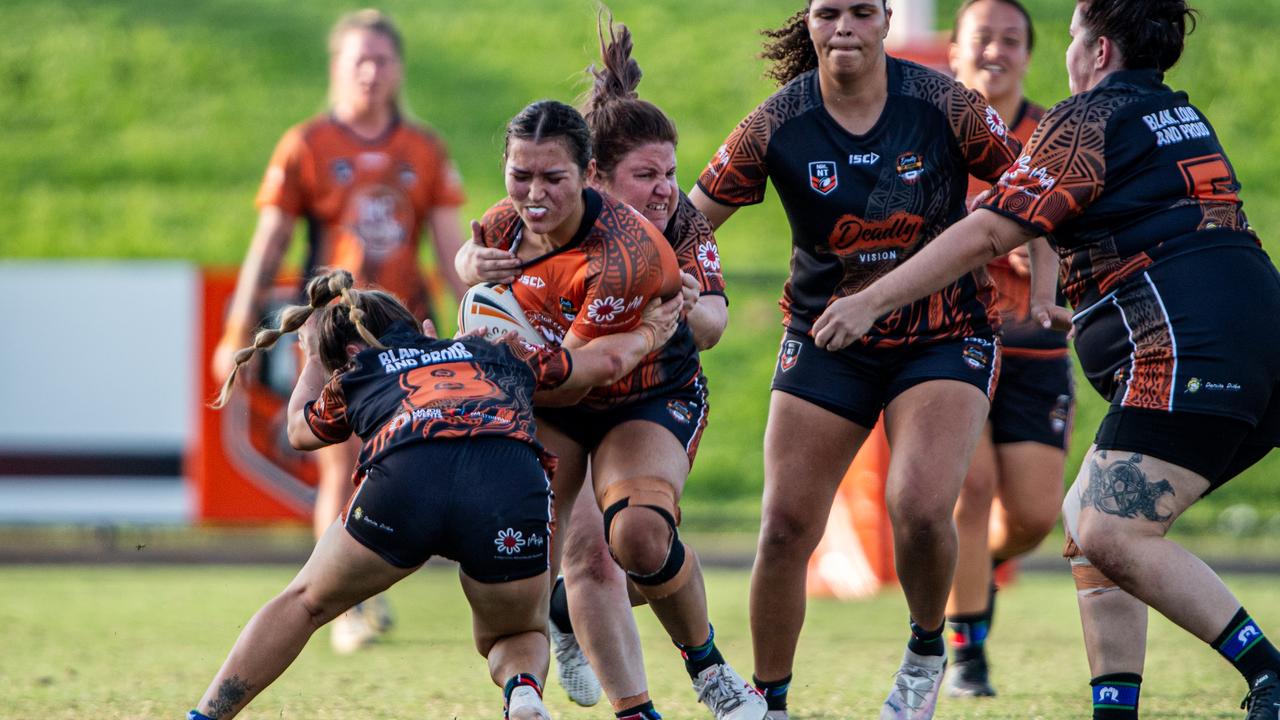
(619, 120)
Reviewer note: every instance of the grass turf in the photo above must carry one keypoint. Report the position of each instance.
(133, 643)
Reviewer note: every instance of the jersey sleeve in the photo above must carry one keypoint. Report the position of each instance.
(282, 186)
(327, 416)
(1061, 172)
(696, 249)
(738, 173)
(985, 142)
(499, 226)
(551, 366)
(635, 265)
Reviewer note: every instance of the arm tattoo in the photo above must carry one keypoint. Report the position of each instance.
(230, 694)
(1122, 489)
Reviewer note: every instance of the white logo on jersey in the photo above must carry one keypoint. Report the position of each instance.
(709, 256)
(995, 123)
(867, 159)
(603, 310)
(533, 281)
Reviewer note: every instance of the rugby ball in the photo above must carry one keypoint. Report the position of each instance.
(494, 306)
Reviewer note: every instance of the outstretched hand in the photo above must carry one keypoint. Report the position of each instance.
(476, 263)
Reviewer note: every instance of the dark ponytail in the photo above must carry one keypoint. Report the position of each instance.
(619, 120)
(549, 120)
(790, 49)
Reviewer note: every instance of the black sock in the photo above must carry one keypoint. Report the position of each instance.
(700, 657)
(926, 642)
(1115, 696)
(560, 607)
(774, 691)
(644, 711)
(968, 636)
(1246, 648)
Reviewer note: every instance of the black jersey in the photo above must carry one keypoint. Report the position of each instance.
(1121, 177)
(420, 389)
(860, 205)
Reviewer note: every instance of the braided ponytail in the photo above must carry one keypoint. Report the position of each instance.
(320, 291)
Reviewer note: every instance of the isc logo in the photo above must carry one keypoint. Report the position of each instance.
(533, 281)
(867, 159)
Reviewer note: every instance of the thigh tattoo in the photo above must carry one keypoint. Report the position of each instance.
(1122, 489)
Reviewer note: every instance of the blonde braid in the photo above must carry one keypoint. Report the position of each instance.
(320, 291)
(351, 298)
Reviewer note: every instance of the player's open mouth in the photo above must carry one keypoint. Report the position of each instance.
(656, 207)
(994, 69)
(535, 212)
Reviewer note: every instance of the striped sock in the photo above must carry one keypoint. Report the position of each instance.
(700, 657)
(518, 680)
(1244, 645)
(968, 635)
(1115, 696)
(926, 642)
(774, 691)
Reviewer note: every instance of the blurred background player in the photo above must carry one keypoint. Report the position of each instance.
(367, 179)
(870, 156)
(634, 148)
(585, 261)
(1012, 494)
(447, 430)
(1177, 311)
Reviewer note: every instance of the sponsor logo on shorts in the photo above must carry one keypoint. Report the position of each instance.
(680, 411)
(789, 354)
(359, 515)
(1060, 414)
(910, 167)
(342, 171)
(976, 353)
(1195, 385)
(822, 177)
(510, 541)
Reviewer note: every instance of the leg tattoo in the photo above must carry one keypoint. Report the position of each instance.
(230, 693)
(1122, 489)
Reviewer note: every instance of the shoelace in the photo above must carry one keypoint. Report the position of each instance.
(719, 694)
(916, 683)
(1260, 697)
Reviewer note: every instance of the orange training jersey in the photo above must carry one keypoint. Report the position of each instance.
(364, 200)
(1013, 290)
(597, 284)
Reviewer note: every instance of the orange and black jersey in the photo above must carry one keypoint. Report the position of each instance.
(860, 205)
(364, 200)
(1121, 177)
(1013, 290)
(694, 242)
(598, 284)
(418, 389)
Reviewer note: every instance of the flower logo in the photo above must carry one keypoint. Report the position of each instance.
(709, 256)
(510, 541)
(603, 310)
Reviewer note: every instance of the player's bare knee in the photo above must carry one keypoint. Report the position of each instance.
(925, 521)
(978, 490)
(588, 563)
(787, 533)
(302, 597)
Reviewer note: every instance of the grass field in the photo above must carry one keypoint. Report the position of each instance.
(140, 129)
(135, 643)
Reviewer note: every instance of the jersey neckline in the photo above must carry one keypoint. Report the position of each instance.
(594, 204)
(893, 75)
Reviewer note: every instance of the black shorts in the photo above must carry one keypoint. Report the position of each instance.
(484, 502)
(682, 412)
(1035, 398)
(1193, 336)
(856, 383)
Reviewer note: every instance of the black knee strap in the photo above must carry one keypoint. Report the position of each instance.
(675, 551)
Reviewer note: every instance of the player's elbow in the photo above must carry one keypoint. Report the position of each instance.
(301, 436)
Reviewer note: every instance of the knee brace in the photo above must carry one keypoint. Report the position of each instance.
(657, 495)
